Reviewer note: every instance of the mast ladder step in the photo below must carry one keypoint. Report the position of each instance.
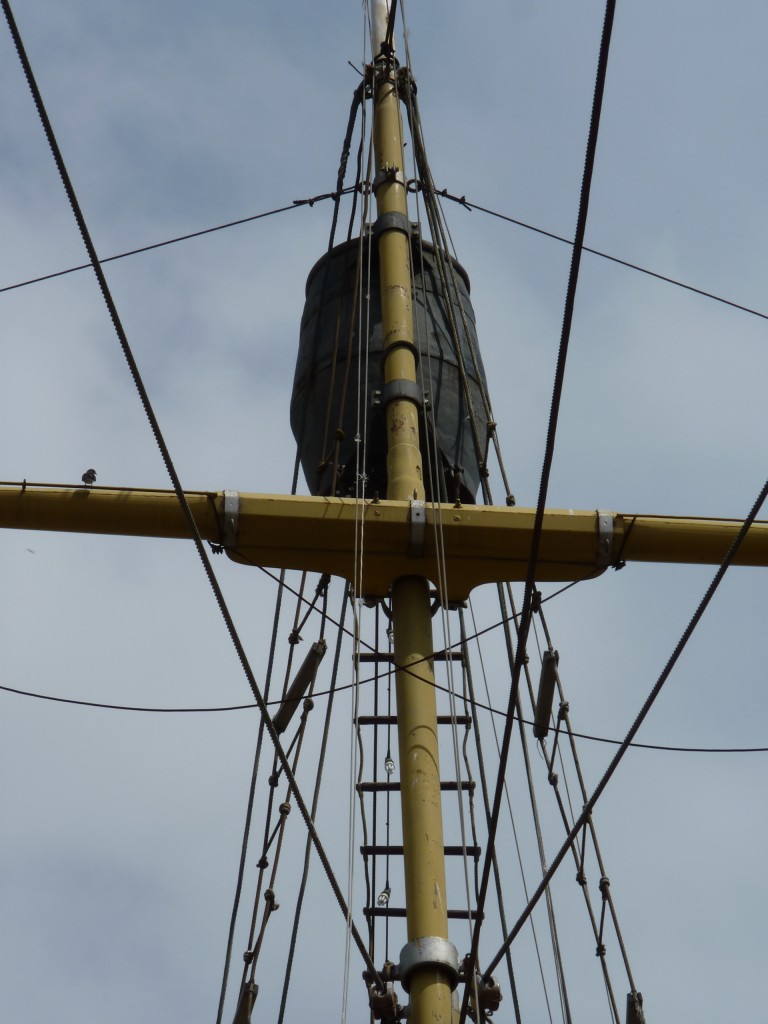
(388, 656)
(394, 787)
(392, 720)
(455, 915)
(397, 851)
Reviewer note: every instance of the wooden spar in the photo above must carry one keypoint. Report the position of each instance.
(483, 543)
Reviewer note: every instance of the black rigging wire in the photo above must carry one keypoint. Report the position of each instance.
(479, 705)
(564, 718)
(388, 43)
(470, 698)
(171, 470)
(525, 620)
(315, 801)
(443, 194)
(249, 809)
(180, 238)
(462, 201)
(626, 742)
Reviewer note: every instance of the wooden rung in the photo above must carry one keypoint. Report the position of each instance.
(392, 720)
(397, 851)
(455, 915)
(394, 787)
(388, 656)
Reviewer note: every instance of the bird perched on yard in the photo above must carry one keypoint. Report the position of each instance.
(89, 477)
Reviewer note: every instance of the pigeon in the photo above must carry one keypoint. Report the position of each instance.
(89, 477)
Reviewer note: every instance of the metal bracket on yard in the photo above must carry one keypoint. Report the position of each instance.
(231, 516)
(418, 517)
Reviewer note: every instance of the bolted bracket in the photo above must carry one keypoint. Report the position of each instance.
(231, 515)
(604, 538)
(387, 174)
(384, 1005)
(395, 389)
(418, 520)
(394, 220)
(488, 996)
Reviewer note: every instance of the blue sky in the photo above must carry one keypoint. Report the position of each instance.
(121, 831)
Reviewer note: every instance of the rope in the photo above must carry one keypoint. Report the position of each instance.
(371, 891)
(165, 453)
(542, 860)
(487, 803)
(579, 860)
(564, 716)
(249, 807)
(548, 458)
(436, 477)
(661, 747)
(315, 801)
(510, 658)
(181, 238)
(642, 714)
(463, 201)
(356, 102)
(442, 238)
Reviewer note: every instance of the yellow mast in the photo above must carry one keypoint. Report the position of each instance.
(428, 966)
(481, 544)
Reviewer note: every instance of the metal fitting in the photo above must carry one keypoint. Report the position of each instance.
(398, 389)
(384, 1005)
(488, 996)
(388, 175)
(392, 221)
(418, 520)
(430, 951)
(604, 538)
(231, 515)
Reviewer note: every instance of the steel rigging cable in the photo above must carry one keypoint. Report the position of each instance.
(171, 470)
(590, 804)
(353, 190)
(661, 747)
(546, 469)
(581, 223)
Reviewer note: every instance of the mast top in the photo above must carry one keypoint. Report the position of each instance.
(380, 13)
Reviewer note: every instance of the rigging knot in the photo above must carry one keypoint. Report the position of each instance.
(270, 900)
(488, 996)
(381, 994)
(384, 1005)
(487, 990)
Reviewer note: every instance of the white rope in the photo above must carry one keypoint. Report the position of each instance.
(511, 815)
(363, 317)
